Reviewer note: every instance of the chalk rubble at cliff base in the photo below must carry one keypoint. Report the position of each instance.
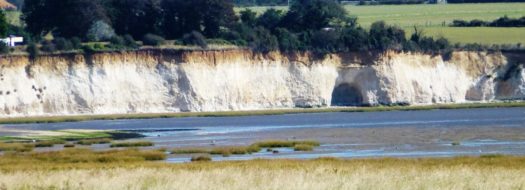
(157, 81)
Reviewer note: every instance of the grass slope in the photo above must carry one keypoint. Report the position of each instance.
(432, 17)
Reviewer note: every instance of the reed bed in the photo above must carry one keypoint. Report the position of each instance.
(488, 172)
(303, 147)
(131, 144)
(49, 143)
(94, 141)
(16, 147)
(281, 143)
(307, 145)
(224, 151)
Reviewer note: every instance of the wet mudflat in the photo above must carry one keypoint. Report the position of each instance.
(434, 133)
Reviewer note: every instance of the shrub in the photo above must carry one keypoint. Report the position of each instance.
(4, 49)
(76, 42)
(33, 50)
(195, 38)
(131, 144)
(99, 46)
(218, 41)
(288, 41)
(235, 37)
(63, 44)
(100, 31)
(385, 37)
(354, 39)
(130, 42)
(248, 17)
(270, 19)
(264, 41)
(48, 46)
(326, 41)
(153, 40)
(201, 158)
(117, 42)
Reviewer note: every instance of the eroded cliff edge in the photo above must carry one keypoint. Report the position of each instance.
(156, 81)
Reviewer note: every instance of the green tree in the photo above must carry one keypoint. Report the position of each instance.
(204, 16)
(270, 19)
(385, 37)
(264, 41)
(4, 26)
(65, 18)
(248, 17)
(216, 14)
(135, 17)
(288, 41)
(313, 14)
(180, 17)
(326, 41)
(354, 39)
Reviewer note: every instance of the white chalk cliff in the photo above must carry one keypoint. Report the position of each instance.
(156, 81)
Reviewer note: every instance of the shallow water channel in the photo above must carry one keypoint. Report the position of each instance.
(344, 135)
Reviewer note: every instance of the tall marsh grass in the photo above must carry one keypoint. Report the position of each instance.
(501, 172)
(131, 144)
(253, 148)
(224, 151)
(16, 147)
(94, 141)
(281, 143)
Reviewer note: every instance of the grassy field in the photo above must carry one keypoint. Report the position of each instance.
(432, 18)
(57, 119)
(131, 169)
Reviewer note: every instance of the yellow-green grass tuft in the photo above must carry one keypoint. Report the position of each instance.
(16, 147)
(131, 144)
(94, 141)
(49, 143)
(303, 147)
(281, 143)
(225, 151)
(201, 158)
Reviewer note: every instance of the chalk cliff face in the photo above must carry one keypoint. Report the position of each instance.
(155, 81)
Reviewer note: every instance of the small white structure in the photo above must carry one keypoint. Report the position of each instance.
(12, 40)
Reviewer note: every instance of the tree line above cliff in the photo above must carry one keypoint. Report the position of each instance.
(321, 26)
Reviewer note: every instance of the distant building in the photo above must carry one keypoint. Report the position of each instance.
(12, 40)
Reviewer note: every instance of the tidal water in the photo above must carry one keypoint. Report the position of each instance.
(345, 135)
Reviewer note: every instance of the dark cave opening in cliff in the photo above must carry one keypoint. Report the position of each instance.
(346, 95)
